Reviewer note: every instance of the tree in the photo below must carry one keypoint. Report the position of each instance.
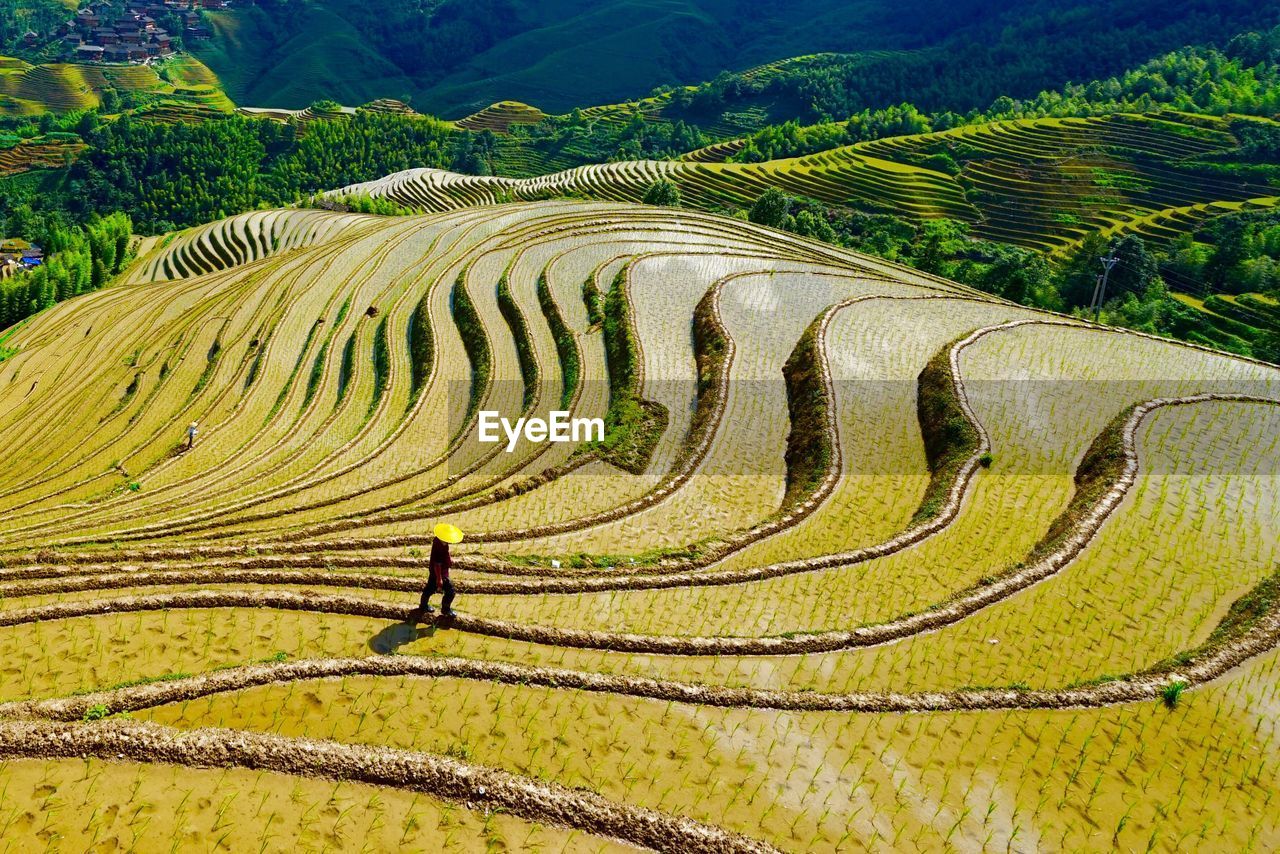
(1021, 276)
(1258, 141)
(1136, 269)
(1079, 273)
(122, 249)
(770, 209)
(939, 240)
(808, 224)
(1228, 253)
(1267, 347)
(663, 193)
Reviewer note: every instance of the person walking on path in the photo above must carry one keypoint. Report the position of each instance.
(192, 430)
(438, 566)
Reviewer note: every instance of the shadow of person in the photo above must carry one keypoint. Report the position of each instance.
(397, 635)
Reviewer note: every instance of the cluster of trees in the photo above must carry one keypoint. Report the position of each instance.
(17, 17)
(1236, 254)
(168, 176)
(1259, 141)
(1243, 79)
(77, 260)
(430, 38)
(362, 203)
(792, 139)
(592, 140)
(1018, 55)
(474, 154)
(26, 127)
(1140, 296)
(663, 193)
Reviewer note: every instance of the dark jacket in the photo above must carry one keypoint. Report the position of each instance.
(440, 560)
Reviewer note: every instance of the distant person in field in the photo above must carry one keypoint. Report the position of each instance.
(192, 430)
(438, 568)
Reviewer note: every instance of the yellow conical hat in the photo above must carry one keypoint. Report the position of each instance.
(448, 533)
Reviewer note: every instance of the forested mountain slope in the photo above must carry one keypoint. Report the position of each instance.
(453, 57)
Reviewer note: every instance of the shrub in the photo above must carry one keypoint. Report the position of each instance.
(524, 344)
(770, 209)
(1172, 693)
(566, 347)
(663, 193)
(594, 300)
(474, 340)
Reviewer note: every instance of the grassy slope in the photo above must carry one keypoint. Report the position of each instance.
(32, 89)
(261, 65)
(598, 56)
(558, 54)
(567, 53)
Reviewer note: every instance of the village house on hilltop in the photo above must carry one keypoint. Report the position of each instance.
(133, 32)
(17, 255)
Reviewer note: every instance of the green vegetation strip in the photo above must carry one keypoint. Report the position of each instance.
(950, 436)
(421, 345)
(566, 345)
(594, 301)
(317, 366)
(810, 444)
(519, 327)
(475, 341)
(633, 425)
(381, 365)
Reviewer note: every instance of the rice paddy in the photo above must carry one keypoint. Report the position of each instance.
(867, 560)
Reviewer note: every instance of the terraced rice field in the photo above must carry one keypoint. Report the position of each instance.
(62, 87)
(884, 563)
(390, 105)
(858, 179)
(302, 117)
(1045, 183)
(501, 116)
(39, 153)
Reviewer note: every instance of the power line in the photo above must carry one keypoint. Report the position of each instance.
(1100, 291)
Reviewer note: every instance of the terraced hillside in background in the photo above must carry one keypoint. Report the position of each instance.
(178, 83)
(746, 114)
(500, 117)
(40, 153)
(1041, 183)
(555, 57)
(1049, 182)
(865, 559)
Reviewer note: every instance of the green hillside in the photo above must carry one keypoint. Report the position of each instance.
(261, 62)
(454, 58)
(62, 87)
